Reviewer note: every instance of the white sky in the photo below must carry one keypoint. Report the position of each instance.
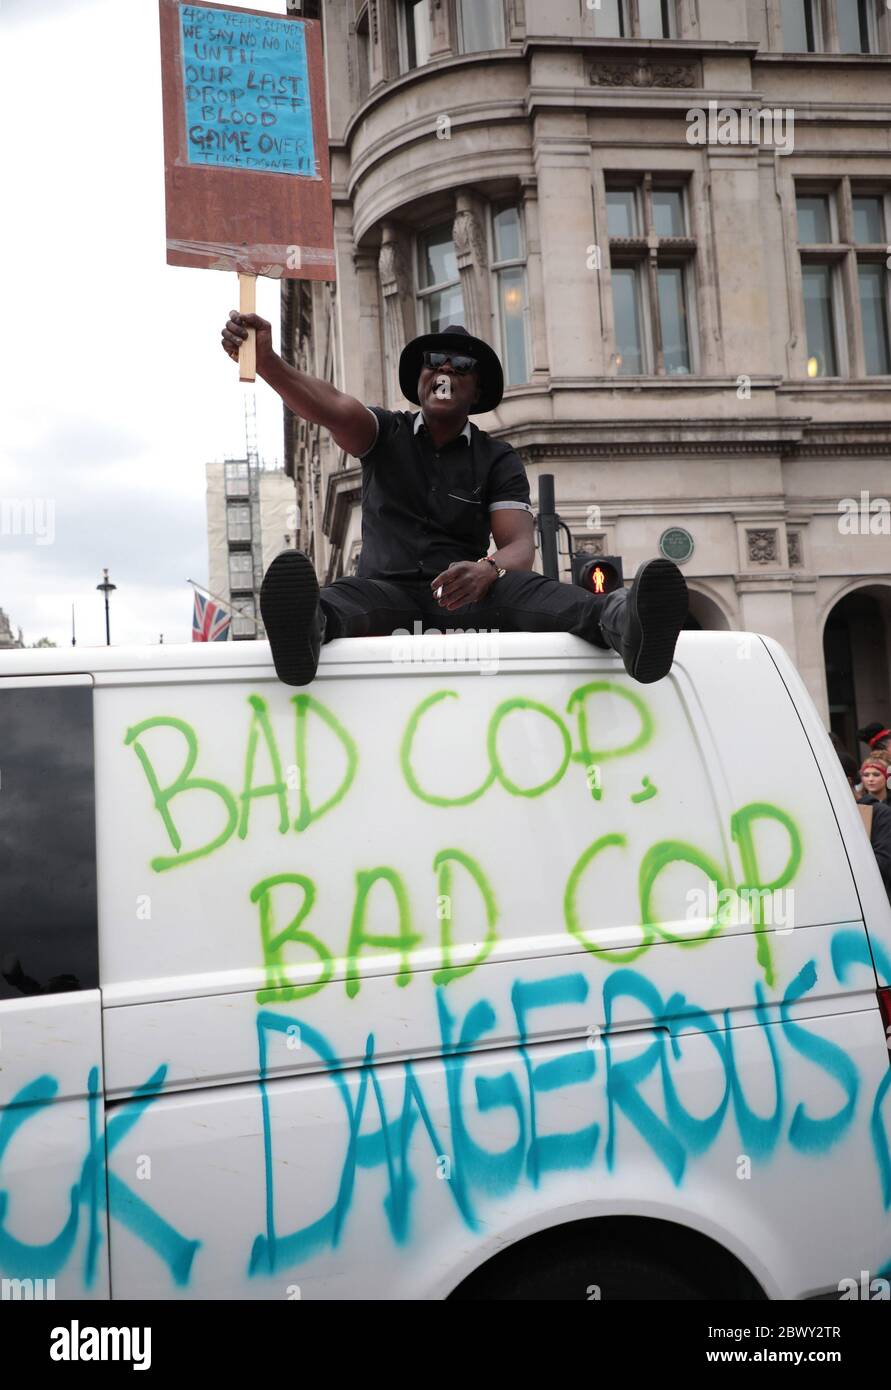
(116, 389)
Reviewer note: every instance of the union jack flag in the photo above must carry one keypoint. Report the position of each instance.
(209, 622)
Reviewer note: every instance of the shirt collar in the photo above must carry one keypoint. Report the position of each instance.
(419, 421)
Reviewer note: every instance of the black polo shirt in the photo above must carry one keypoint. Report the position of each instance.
(423, 507)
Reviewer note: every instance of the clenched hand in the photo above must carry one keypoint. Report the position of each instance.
(235, 333)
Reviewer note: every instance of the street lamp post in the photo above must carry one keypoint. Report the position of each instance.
(106, 588)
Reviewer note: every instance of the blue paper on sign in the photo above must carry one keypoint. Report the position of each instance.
(246, 91)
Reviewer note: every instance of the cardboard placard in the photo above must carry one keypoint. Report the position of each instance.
(246, 165)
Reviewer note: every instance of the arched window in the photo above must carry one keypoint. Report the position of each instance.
(440, 299)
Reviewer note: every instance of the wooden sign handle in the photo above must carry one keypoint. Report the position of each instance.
(247, 357)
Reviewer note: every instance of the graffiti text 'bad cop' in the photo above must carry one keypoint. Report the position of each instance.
(288, 780)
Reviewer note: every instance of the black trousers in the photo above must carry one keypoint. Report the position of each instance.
(519, 601)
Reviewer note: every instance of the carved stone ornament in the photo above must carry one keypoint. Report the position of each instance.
(762, 547)
(643, 75)
(793, 540)
(391, 269)
(468, 237)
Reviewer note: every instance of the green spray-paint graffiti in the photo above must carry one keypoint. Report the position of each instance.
(577, 745)
(260, 728)
(280, 987)
(236, 804)
(406, 938)
(589, 757)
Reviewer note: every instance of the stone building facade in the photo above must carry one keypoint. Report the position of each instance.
(673, 220)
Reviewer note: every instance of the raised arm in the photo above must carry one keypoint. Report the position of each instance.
(351, 424)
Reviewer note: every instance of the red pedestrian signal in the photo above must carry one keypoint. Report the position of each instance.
(602, 575)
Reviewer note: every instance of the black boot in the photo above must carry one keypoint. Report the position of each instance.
(292, 616)
(642, 623)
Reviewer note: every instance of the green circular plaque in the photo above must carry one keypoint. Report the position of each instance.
(676, 544)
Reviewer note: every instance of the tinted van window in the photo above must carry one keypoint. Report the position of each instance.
(48, 921)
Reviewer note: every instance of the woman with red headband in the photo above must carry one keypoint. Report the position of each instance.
(874, 780)
(876, 817)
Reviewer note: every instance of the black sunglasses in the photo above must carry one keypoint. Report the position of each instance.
(460, 363)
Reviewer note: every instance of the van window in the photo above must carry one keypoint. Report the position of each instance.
(48, 922)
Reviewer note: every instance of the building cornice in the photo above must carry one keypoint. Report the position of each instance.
(628, 438)
(822, 60)
(668, 99)
(423, 74)
(665, 50)
(862, 439)
(610, 50)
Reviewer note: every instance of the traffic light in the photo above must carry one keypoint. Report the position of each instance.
(600, 574)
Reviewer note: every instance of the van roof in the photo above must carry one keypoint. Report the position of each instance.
(234, 656)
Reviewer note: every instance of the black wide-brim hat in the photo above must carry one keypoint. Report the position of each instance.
(456, 338)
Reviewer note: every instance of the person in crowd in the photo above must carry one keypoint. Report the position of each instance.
(876, 817)
(877, 738)
(874, 780)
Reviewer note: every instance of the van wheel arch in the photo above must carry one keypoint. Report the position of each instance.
(633, 1257)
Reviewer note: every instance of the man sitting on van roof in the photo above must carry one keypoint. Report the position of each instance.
(434, 487)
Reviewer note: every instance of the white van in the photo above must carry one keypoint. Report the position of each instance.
(469, 970)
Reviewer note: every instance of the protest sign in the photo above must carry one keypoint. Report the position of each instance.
(247, 177)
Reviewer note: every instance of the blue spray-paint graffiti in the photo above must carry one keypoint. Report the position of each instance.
(19, 1260)
(22, 1260)
(674, 1138)
(672, 1133)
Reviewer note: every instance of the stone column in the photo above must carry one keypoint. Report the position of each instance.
(382, 42)
(473, 265)
(764, 586)
(398, 305)
(346, 359)
(742, 276)
(442, 40)
(566, 222)
(831, 41)
(372, 385)
(538, 343)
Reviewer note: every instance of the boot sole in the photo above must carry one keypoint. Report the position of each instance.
(659, 606)
(289, 599)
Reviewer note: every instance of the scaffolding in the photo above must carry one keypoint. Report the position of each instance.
(253, 466)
